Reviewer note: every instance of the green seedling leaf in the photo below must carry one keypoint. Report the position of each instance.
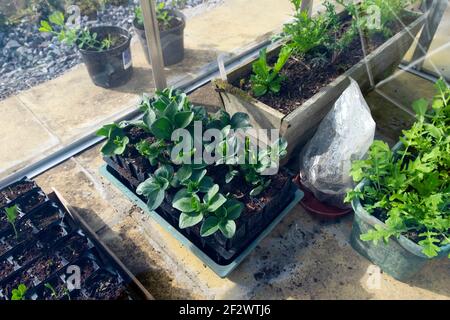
(228, 228)
(162, 128)
(19, 293)
(209, 226)
(188, 220)
(12, 214)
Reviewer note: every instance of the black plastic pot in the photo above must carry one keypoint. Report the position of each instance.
(172, 40)
(113, 67)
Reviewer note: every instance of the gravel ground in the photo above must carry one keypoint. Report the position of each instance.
(28, 57)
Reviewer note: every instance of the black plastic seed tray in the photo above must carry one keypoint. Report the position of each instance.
(55, 254)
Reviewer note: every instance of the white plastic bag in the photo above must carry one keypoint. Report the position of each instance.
(344, 135)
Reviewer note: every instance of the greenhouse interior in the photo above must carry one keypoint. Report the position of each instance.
(224, 150)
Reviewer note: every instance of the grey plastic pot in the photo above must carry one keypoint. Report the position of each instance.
(172, 41)
(113, 67)
(401, 258)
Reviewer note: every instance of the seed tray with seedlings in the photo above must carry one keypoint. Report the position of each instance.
(221, 208)
(47, 253)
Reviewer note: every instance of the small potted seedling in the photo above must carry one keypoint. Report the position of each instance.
(105, 49)
(171, 24)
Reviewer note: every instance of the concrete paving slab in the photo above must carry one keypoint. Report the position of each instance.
(72, 105)
(22, 136)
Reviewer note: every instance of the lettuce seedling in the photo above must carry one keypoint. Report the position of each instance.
(12, 215)
(117, 140)
(19, 293)
(155, 187)
(265, 78)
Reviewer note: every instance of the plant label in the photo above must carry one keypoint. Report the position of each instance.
(126, 58)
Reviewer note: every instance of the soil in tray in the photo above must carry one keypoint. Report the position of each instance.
(3, 200)
(240, 190)
(106, 286)
(131, 155)
(305, 78)
(27, 254)
(45, 217)
(4, 247)
(45, 266)
(87, 268)
(73, 247)
(24, 233)
(31, 202)
(6, 268)
(20, 278)
(52, 235)
(17, 190)
(56, 289)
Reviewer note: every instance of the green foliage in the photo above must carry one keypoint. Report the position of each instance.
(222, 119)
(168, 111)
(154, 152)
(11, 215)
(42, 9)
(83, 38)
(216, 212)
(19, 293)
(163, 15)
(54, 294)
(259, 162)
(197, 196)
(305, 33)
(368, 10)
(116, 142)
(410, 187)
(155, 187)
(192, 181)
(265, 78)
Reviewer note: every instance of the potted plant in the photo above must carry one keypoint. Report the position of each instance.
(105, 49)
(171, 24)
(402, 211)
(220, 206)
(293, 85)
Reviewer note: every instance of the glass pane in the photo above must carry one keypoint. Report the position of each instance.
(61, 83)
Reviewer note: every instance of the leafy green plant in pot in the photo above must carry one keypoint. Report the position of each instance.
(402, 202)
(105, 49)
(171, 24)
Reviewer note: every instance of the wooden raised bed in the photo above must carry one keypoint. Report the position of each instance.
(299, 126)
